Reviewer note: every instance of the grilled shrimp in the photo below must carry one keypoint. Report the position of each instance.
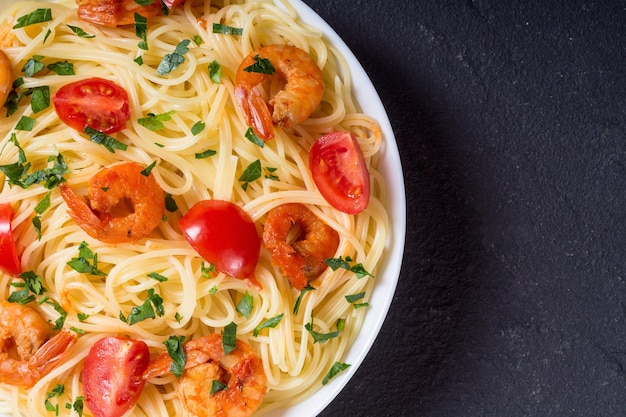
(300, 257)
(295, 103)
(24, 328)
(6, 77)
(115, 12)
(241, 372)
(105, 216)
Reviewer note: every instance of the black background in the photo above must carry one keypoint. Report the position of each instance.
(510, 117)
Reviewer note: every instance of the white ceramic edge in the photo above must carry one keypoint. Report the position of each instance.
(389, 272)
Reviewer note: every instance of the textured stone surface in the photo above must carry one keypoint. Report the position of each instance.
(510, 117)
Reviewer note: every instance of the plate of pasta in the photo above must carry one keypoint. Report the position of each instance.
(202, 209)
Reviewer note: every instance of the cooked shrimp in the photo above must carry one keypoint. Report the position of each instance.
(300, 242)
(24, 328)
(6, 77)
(241, 371)
(124, 204)
(115, 12)
(289, 107)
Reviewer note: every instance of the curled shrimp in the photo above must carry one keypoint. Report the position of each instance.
(241, 371)
(6, 77)
(24, 329)
(115, 12)
(295, 103)
(124, 204)
(300, 242)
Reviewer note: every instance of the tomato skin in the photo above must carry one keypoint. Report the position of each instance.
(339, 171)
(223, 234)
(9, 260)
(113, 375)
(95, 102)
(172, 3)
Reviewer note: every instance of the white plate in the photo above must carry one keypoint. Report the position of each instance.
(389, 271)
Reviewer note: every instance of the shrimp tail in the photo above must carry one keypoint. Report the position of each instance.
(50, 353)
(81, 212)
(256, 111)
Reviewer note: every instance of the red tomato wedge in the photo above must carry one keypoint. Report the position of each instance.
(225, 235)
(113, 375)
(9, 261)
(339, 171)
(95, 102)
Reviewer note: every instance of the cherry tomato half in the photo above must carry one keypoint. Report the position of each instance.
(9, 261)
(223, 234)
(339, 171)
(113, 375)
(95, 102)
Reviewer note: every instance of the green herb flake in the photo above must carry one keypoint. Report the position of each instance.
(245, 305)
(304, 290)
(141, 29)
(229, 338)
(78, 405)
(334, 370)
(153, 303)
(36, 222)
(154, 122)
(146, 172)
(171, 61)
(226, 30)
(60, 322)
(170, 203)
(251, 173)
(345, 263)
(268, 324)
(353, 298)
(213, 290)
(82, 317)
(217, 386)
(87, 261)
(254, 138)
(25, 123)
(109, 142)
(197, 127)
(44, 204)
(215, 72)
(40, 99)
(139, 60)
(261, 66)
(324, 337)
(207, 272)
(175, 349)
(157, 276)
(271, 174)
(45, 38)
(205, 154)
(78, 31)
(62, 68)
(37, 16)
(56, 392)
(33, 66)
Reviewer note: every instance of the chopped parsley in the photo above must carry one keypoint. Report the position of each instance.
(229, 338)
(146, 310)
(197, 128)
(170, 203)
(78, 405)
(324, 337)
(25, 123)
(32, 283)
(217, 386)
(141, 29)
(175, 349)
(78, 31)
(251, 173)
(87, 261)
(33, 66)
(261, 65)
(157, 276)
(254, 138)
(109, 142)
(268, 324)
(146, 172)
(40, 99)
(245, 305)
(358, 269)
(154, 122)
(226, 30)
(205, 154)
(215, 72)
(171, 61)
(334, 370)
(37, 16)
(304, 290)
(56, 392)
(62, 68)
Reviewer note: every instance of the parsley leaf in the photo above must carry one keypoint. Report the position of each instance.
(304, 290)
(146, 310)
(334, 370)
(252, 137)
(171, 61)
(205, 154)
(217, 386)
(87, 261)
(146, 172)
(78, 405)
(80, 32)
(40, 99)
(197, 128)
(245, 305)
(38, 16)
(229, 338)
(141, 29)
(110, 143)
(358, 269)
(261, 65)
(57, 391)
(170, 203)
(324, 337)
(157, 276)
(251, 173)
(215, 72)
(33, 66)
(269, 323)
(25, 123)
(62, 68)
(175, 349)
(226, 30)
(154, 122)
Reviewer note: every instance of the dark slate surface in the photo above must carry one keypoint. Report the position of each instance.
(510, 117)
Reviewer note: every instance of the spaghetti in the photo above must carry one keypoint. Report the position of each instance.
(194, 303)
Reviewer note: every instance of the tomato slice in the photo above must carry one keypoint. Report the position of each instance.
(9, 261)
(339, 171)
(95, 102)
(113, 375)
(225, 235)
